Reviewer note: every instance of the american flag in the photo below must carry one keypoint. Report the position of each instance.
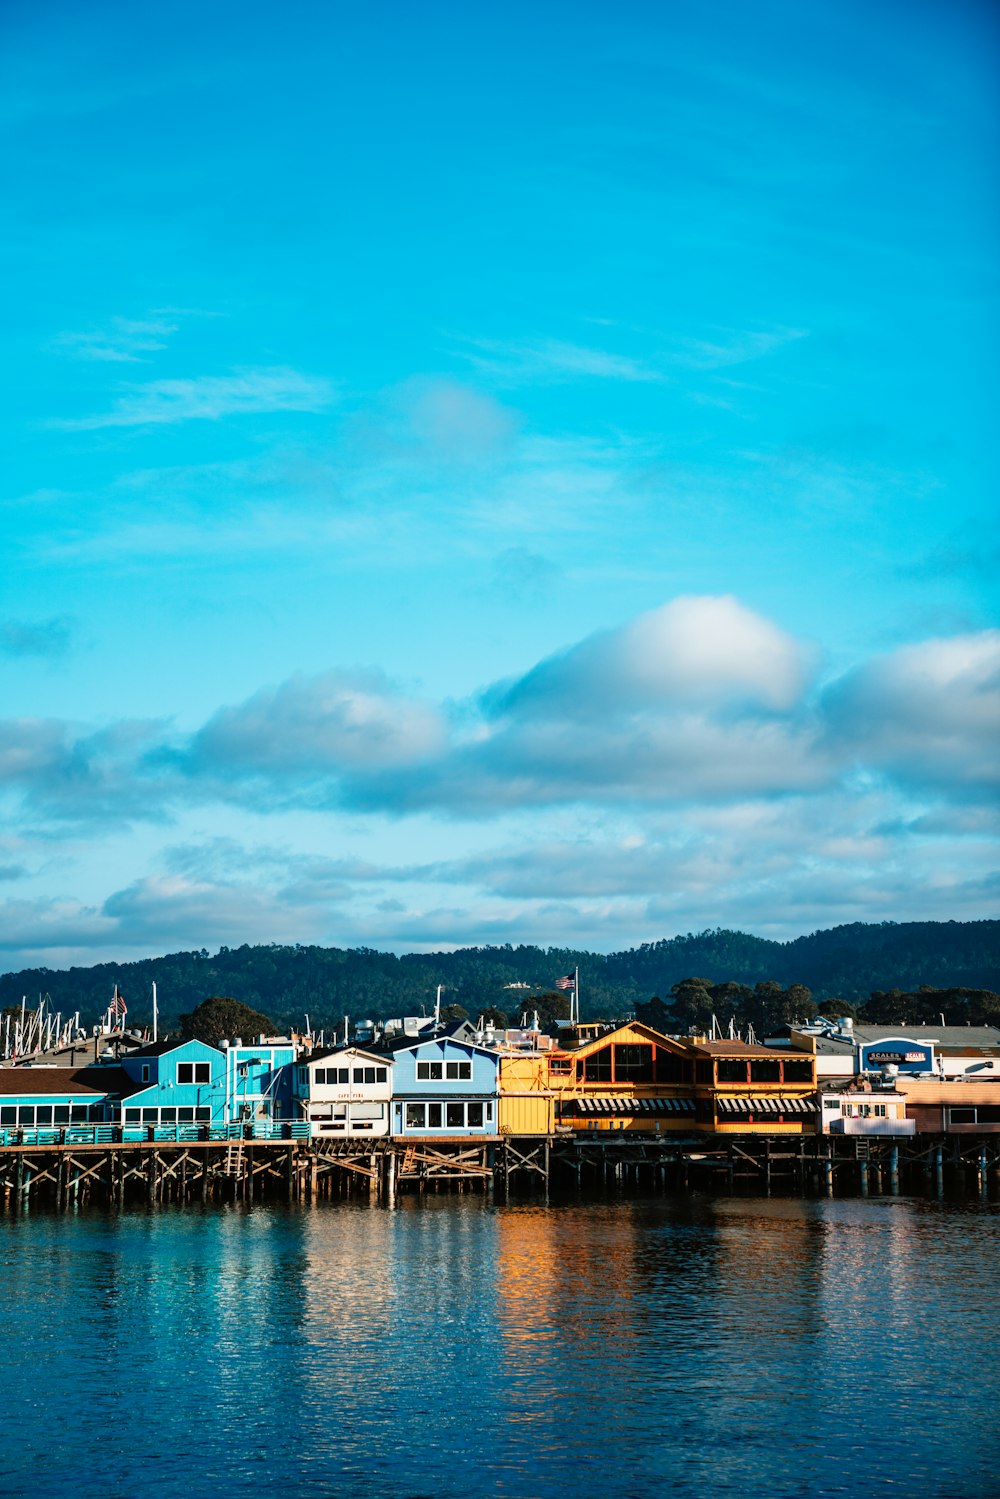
(569, 982)
(118, 1009)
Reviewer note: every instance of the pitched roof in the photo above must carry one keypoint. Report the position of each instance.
(28, 1081)
(160, 1048)
(344, 1051)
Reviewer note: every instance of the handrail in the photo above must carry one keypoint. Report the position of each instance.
(159, 1134)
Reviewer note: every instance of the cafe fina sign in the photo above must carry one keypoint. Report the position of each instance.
(899, 1052)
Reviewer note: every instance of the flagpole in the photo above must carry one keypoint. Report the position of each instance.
(576, 993)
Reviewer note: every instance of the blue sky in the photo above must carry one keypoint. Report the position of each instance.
(495, 473)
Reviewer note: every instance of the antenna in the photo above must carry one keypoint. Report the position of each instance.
(155, 1014)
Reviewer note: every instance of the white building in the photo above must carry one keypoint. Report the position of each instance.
(344, 1092)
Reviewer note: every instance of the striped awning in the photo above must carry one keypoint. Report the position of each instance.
(772, 1104)
(608, 1104)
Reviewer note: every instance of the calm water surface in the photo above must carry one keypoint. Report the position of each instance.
(686, 1347)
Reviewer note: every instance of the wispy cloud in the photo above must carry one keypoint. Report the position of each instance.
(732, 346)
(211, 397)
(123, 341)
(549, 359)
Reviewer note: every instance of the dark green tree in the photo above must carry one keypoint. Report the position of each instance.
(656, 1014)
(836, 1009)
(222, 1018)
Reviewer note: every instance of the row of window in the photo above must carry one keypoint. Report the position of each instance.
(448, 1115)
(430, 1072)
(34, 1115)
(983, 1113)
(168, 1116)
(332, 1075)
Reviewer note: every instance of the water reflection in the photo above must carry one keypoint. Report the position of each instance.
(692, 1346)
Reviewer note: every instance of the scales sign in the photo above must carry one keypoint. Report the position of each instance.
(897, 1051)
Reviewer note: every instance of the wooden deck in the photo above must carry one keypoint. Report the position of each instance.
(63, 1175)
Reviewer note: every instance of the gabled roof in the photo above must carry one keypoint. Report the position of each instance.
(441, 1039)
(609, 1037)
(159, 1048)
(345, 1051)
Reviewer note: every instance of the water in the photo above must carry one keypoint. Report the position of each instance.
(690, 1346)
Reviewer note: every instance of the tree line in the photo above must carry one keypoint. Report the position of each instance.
(883, 971)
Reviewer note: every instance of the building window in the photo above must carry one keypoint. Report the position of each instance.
(474, 1115)
(203, 1115)
(60, 1114)
(194, 1072)
(168, 1116)
(343, 1075)
(133, 1116)
(433, 1116)
(429, 1072)
(44, 1115)
(416, 1116)
(380, 1074)
(455, 1116)
(459, 1072)
(670, 1068)
(26, 1114)
(8, 1114)
(597, 1068)
(765, 1072)
(732, 1072)
(962, 1116)
(634, 1064)
(145, 1072)
(185, 1116)
(798, 1072)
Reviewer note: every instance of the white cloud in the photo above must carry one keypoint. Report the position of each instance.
(689, 651)
(928, 713)
(211, 397)
(338, 722)
(124, 341)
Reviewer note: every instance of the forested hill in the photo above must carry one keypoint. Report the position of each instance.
(847, 962)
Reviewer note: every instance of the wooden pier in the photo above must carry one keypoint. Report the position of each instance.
(65, 1175)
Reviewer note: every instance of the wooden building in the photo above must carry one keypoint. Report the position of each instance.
(952, 1106)
(634, 1079)
(746, 1089)
(36, 1103)
(344, 1092)
(525, 1105)
(444, 1086)
(631, 1078)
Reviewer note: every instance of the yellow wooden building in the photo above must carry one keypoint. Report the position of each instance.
(742, 1089)
(635, 1079)
(526, 1105)
(631, 1078)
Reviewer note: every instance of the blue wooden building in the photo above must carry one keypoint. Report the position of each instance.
(445, 1086)
(259, 1081)
(172, 1083)
(44, 1099)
